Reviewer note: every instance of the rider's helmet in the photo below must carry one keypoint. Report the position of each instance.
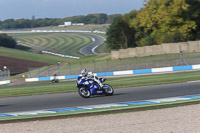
(84, 72)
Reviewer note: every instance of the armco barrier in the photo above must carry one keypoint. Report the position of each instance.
(126, 72)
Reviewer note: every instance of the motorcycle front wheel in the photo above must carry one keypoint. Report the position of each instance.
(83, 92)
(108, 90)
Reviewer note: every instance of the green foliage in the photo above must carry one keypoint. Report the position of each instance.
(27, 23)
(111, 18)
(194, 13)
(148, 40)
(114, 38)
(162, 21)
(166, 16)
(120, 35)
(7, 41)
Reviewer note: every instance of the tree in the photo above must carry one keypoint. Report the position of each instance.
(119, 34)
(111, 18)
(7, 41)
(99, 18)
(194, 14)
(165, 16)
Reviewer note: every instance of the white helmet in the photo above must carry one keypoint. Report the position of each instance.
(84, 72)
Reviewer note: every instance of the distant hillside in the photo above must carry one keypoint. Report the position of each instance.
(27, 23)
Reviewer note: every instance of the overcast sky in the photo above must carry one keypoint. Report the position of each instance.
(17, 9)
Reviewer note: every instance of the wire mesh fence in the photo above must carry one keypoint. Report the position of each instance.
(4, 74)
(109, 65)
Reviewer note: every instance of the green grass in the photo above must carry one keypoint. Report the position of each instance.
(90, 27)
(63, 43)
(144, 80)
(31, 56)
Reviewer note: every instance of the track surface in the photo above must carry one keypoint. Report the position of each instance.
(89, 49)
(39, 102)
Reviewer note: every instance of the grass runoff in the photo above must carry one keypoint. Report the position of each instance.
(63, 43)
(119, 82)
(15, 53)
(88, 27)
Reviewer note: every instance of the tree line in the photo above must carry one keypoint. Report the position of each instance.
(43, 22)
(7, 41)
(160, 21)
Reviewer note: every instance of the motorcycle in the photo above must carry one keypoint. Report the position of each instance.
(88, 87)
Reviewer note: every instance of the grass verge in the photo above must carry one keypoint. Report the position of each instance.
(15, 53)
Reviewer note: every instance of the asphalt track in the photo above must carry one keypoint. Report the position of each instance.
(64, 100)
(90, 49)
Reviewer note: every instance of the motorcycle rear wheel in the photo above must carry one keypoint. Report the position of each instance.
(83, 92)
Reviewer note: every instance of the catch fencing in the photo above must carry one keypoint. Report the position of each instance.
(4, 74)
(108, 65)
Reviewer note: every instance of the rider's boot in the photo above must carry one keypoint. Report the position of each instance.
(99, 82)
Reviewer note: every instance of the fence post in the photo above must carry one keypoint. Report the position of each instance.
(94, 63)
(136, 62)
(69, 68)
(167, 61)
(120, 67)
(181, 58)
(81, 65)
(29, 73)
(8, 74)
(5, 74)
(58, 64)
(196, 58)
(147, 63)
(108, 65)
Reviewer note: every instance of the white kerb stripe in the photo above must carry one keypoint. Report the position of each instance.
(195, 66)
(163, 69)
(123, 72)
(168, 99)
(5, 82)
(31, 79)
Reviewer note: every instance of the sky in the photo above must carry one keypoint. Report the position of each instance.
(17, 9)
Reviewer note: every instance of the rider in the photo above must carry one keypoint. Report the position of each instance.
(89, 75)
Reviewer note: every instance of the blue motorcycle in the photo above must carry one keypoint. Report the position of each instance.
(88, 87)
